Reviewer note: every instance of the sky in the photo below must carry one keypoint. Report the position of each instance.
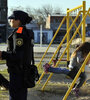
(63, 4)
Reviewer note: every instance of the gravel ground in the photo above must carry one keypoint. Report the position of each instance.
(56, 89)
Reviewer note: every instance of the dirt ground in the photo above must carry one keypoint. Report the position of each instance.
(56, 89)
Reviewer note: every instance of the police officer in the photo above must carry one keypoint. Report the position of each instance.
(17, 55)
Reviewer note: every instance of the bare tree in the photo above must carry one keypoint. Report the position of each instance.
(17, 8)
(30, 11)
(40, 14)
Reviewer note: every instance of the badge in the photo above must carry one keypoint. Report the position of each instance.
(19, 42)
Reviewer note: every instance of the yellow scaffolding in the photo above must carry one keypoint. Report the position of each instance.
(85, 13)
(67, 46)
(76, 27)
(60, 44)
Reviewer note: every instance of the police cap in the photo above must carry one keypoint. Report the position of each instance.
(22, 16)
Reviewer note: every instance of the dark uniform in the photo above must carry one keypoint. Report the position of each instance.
(17, 56)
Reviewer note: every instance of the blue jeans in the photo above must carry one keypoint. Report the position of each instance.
(17, 90)
(58, 70)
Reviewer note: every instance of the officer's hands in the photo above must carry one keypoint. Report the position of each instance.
(0, 55)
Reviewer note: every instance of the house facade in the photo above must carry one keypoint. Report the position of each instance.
(53, 23)
(47, 36)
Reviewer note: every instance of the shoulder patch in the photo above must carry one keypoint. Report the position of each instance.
(20, 29)
(19, 42)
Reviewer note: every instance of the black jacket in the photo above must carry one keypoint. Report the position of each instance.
(19, 51)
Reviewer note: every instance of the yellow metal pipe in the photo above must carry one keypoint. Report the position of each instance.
(85, 11)
(75, 8)
(75, 26)
(52, 40)
(68, 44)
(75, 79)
(68, 37)
(59, 47)
(46, 81)
(83, 25)
(40, 77)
